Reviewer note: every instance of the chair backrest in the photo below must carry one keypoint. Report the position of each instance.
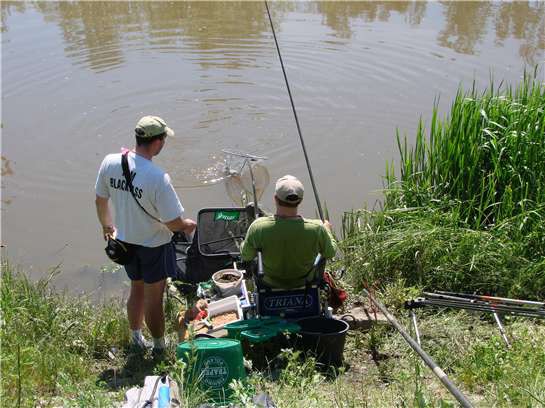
(221, 230)
(290, 303)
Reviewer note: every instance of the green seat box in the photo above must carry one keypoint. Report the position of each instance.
(259, 335)
(236, 328)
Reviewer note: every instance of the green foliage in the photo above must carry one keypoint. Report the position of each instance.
(483, 161)
(468, 210)
(517, 375)
(48, 340)
(42, 367)
(428, 248)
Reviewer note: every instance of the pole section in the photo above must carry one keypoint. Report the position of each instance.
(456, 393)
(318, 203)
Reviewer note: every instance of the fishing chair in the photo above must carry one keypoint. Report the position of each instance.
(293, 303)
(215, 244)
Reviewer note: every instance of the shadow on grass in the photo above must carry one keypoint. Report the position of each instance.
(136, 365)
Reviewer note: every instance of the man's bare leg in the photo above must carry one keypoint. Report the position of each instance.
(135, 305)
(153, 308)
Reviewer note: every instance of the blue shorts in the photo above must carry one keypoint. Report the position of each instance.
(152, 264)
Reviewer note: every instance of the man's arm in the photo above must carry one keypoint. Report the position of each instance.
(105, 216)
(329, 249)
(248, 251)
(180, 224)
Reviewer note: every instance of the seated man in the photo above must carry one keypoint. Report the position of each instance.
(289, 243)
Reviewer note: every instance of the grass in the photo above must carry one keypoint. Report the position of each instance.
(467, 211)
(55, 353)
(486, 157)
(52, 342)
(427, 248)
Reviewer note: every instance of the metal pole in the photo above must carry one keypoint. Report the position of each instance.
(502, 331)
(416, 332)
(490, 298)
(253, 188)
(296, 119)
(482, 307)
(461, 398)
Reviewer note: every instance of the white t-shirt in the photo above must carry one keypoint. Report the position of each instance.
(154, 191)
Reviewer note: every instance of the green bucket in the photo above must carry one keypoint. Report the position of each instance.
(215, 363)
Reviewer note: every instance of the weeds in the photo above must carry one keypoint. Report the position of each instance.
(468, 210)
(486, 157)
(48, 339)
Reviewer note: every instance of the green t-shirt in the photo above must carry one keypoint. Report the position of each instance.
(289, 247)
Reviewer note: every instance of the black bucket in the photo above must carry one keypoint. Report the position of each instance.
(325, 337)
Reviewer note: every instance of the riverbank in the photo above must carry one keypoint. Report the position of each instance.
(465, 214)
(62, 351)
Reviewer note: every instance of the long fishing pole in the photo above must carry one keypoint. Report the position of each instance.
(318, 203)
(461, 398)
(427, 359)
(493, 299)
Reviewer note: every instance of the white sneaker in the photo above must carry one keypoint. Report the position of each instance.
(141, 343)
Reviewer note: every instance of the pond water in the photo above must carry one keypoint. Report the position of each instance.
(76, 76)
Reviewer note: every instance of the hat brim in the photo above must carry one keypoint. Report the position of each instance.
(169, 132)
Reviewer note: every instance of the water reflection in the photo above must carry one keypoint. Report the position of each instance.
(339, 15)
(523, 21)
(99, 34)
(464, 26)
(6, 167)
(467, 23)
(5, 170)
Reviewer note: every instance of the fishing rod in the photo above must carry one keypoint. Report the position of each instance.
(318, 203)
(427, 359)
(461, 398)
(492, 299)
(419, 302)
(474, 303)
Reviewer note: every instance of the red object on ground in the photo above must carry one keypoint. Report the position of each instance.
(337, 296)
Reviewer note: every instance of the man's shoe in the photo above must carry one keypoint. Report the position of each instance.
(158, 353)
(141, 344)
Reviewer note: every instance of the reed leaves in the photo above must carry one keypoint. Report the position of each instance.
(467, 209)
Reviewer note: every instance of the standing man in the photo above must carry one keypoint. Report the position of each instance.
(148, 234)
(289, 243)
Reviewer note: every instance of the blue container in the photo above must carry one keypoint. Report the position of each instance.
(164, 396)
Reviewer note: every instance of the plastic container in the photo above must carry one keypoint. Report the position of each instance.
(228, 288)
(325, 337)
(259, 335)
(213, 364)
(164, 396)
(264, 328)
(236, 328)
(229, 304)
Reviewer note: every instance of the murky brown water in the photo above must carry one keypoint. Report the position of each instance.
(76, 76)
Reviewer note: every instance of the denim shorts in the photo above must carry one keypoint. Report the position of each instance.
(152, 264)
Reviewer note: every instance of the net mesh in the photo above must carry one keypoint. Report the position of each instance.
(221, 231)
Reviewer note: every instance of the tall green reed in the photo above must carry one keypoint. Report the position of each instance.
(467, 209)
(485, 157)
